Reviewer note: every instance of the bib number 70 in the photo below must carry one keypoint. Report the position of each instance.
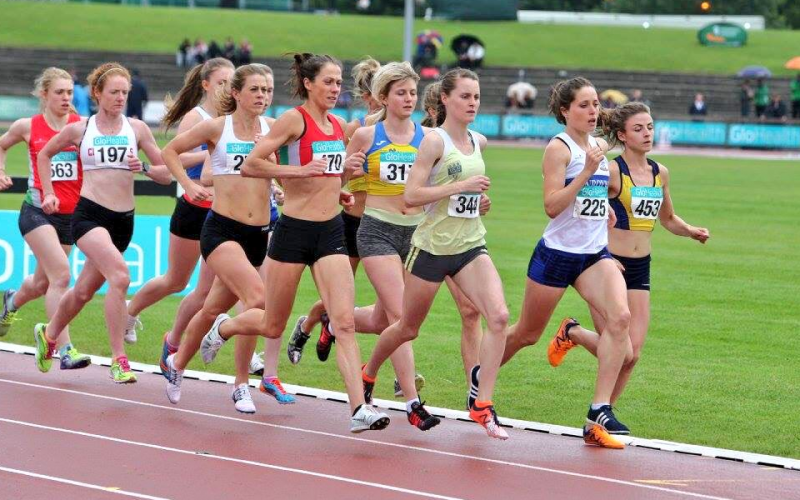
(335, 161)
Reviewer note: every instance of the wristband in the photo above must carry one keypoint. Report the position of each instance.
(145, 167)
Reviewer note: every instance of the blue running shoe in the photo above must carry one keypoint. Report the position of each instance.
(273, 387)
(166, 350)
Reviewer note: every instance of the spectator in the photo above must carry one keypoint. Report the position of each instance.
(181, 57)
(520, 95)
(80, 96)
(200, 51)
(608, 103)
(214, 50)
(244, 56)
(794, 86)
(746, 95)
(636, 96)
(426, 55)
(776, 109)
(137, 97)
(475, 55)
(229, 51)
(698, 108)
(761, 98)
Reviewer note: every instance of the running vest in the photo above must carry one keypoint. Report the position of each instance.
(637, 207)
(100, 151)
(359, 183)
(315, 144)
(196, 171)
(65, 168)
(388, 164)
(581, 227)
(452, 225)
(230, 153)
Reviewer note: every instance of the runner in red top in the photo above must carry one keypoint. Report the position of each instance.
(48, 235)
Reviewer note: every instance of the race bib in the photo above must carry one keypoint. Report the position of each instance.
(332, 152)
(646, 202)
(111, 151)
(396, 166)
(591, 203)
(464, 205)
(64, 166)
(235, 155)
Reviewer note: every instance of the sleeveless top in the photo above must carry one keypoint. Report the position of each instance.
(357, 184)
(65, 168)
(230, 153)
(388, 164)
(315, 144)
(196, 171)
(581, 227)
(452, 225)
(99, 151)
(637, 207)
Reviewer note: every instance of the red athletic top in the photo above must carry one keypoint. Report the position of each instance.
(314, 144)
(65, 167)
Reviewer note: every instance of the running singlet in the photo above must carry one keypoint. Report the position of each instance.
(388, 164)
(230, 153)
(314, 144)
(357, 184)
(453, 225)
(65, 168)
(100, 151)
(195, 171)
(637, 207)
(581, 227)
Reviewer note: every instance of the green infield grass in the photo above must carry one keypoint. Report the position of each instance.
(720, 367)
(160, 29)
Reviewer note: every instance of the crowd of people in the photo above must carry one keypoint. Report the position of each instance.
(405, 199)
(190, 54)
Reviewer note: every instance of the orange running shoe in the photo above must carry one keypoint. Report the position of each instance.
(594, 434)
(561, 343)
(483, 413)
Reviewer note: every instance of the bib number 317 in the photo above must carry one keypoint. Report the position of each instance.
(464, 205)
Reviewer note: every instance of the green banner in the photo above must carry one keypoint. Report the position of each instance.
(726, 34)
(14, 108)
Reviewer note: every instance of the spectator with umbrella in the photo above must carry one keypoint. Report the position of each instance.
(469, 50)
(428, 44)
(794, 87)
(761, 97)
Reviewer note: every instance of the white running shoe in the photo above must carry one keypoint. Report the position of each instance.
(212, 342)
(131, 326)
(257, 364)
(367, 418)
(174, 379)
(242, 400)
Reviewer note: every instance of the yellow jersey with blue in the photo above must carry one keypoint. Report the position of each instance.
(357, 184)
(637, 207)
(389, 164)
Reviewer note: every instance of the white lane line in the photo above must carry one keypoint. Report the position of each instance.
(81, 484)
(362, 440)
(304, 472)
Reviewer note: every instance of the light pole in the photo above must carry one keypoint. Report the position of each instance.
(409, 30)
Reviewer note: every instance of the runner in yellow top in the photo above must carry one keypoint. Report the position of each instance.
(448, 177)
(638, 193)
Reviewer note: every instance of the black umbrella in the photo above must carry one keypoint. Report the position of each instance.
(461, 43)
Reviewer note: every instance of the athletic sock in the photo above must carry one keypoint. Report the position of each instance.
(356, 410)
(411, 403)
(64, 349)
(10, 303)
(599, 405)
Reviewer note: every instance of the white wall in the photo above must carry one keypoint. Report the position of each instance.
(603, 19)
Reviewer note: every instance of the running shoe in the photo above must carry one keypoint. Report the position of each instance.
(474, 379)
(297, 341)
(174, 379)
(130, 328)
(73, 360)
(8, 316)
(561, 343)
(367, 418)
(420, 418)
(487, 417)
(326, 338)
(604, 417)
(594, 434)
(212, 342)
(419, 383)
(121, 371)
(369, 385)
(257, 364)
(44, 348)
(273, 387)
(166, 350)
(242, 400)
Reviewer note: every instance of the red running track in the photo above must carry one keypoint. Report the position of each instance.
(77, 435)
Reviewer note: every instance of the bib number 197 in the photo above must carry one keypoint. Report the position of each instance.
(464, 205)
